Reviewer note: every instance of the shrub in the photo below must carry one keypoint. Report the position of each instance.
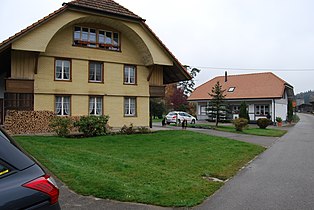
(128, 129)
(263, 123)
(143, 129)
(61, 125)
(240, 124)
(278, 119)
(93, 125)
(295, 118)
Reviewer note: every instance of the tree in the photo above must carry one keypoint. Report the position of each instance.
(176, 94)
(188, 85)
(179, 100)
(217, 101)
(290, 111)
(243, 112)
(157, 107)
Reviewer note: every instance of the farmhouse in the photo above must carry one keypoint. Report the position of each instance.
(90, 57)
(265, 94)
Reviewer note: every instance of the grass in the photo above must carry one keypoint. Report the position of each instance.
(255, 131)
(164, 168)
(252, 131)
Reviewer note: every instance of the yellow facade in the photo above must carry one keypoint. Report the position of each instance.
(112, 90)
(34, 55)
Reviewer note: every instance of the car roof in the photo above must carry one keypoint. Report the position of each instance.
(12, 154)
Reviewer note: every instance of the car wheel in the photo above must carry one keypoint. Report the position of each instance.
(193, 121)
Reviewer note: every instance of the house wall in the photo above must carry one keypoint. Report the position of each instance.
(79, 88)
(251, 108)
(23, 64)
(281, 108)
(149, 48)
(156, 78)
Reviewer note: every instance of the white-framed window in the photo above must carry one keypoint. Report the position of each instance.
(63, 105)
(63, 70)
(261, 109)
(95, 72)
(95, 105)
(129, 106)
(97, 38)
(203, 109)
(85, 36)
(129, 74)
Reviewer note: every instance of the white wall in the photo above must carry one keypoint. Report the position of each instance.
(281, 107)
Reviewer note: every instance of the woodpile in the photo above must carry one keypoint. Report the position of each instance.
(28, 122)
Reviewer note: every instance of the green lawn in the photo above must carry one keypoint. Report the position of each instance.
(164, 168)
(255, 131)
(252, 131)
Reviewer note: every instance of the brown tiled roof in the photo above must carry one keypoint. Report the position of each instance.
(108, 6)
(247, 86)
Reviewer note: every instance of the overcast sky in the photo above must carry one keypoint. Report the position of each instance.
(255, 35)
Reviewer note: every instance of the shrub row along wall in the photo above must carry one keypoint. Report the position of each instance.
(29, 122)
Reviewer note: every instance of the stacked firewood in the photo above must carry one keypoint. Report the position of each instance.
(28, 122)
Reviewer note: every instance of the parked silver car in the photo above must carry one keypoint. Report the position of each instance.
(178, 117)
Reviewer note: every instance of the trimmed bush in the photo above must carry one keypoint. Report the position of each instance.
(61, 125)
(263, 123)
(240, 124)
(93, 125)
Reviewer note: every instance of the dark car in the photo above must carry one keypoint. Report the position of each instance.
(23, 182)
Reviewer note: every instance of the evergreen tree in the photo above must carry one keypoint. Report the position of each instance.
(243, 112)
(217, 101)
(290, 111)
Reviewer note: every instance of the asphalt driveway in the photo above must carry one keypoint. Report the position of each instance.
(281, 178)
(259, 140)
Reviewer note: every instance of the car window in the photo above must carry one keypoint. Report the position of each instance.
(182, 114)
(3, 170)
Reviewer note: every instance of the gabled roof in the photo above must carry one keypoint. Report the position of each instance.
(108, 6)
(246, 86)
(111, 8)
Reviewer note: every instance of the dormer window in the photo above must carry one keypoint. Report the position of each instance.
(231, 89)
(96, 38)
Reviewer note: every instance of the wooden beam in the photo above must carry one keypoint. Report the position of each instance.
(36, 63)
(150, 72)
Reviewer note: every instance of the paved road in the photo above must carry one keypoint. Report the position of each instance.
(281, 178)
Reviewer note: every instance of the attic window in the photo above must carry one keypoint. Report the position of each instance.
(96, 38)
(231, 89)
